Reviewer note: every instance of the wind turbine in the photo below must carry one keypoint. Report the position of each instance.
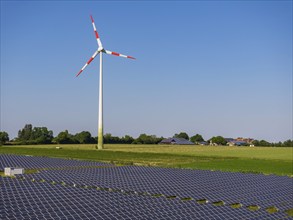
(100, 51)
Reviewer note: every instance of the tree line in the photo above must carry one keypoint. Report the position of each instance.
(41, 135)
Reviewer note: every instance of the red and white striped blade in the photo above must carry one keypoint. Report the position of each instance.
(96, 33)
(88, 62)
(119, 54)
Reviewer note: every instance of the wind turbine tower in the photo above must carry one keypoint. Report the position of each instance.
(100, 51)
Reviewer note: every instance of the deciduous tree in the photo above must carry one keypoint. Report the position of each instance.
(25, 134)
(182, 135)
(196, 138)
(218, 140)
(288, 143)
(41, 135)
(3, 137)
(147, 139)
(84, 137)
(127, 139)
(35, 135)
(64, 138)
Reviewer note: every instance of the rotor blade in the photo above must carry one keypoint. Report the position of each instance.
(118, 54)
(96, 33)
(88, 62)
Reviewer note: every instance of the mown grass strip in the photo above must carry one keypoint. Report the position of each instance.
(289, 212)
(219, 203)
(272, 209)
(157, 195)
(171, 197)
(202, 201)
(253, 207)
(186, 199)
(230, 164)
(236, 205)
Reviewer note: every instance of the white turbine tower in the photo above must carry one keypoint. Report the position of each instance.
(100, 51)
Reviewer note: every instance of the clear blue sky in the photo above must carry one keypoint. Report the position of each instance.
(213, 68)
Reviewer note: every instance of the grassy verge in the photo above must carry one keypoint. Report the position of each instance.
(290, 212)
(272, 209)
(236, 205)
(277, 153)
(253, 207)
(162, 158)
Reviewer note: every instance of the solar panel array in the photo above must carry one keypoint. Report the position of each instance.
(83, 192)
(9, 160)
(214, 186)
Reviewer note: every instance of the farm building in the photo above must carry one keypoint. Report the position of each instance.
(177, 141)
(237, 143)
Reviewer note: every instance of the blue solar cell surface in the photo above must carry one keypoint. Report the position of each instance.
(214, 186)
(7, 160)
(108, 192)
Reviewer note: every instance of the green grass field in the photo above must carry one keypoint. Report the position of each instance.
(266, 160)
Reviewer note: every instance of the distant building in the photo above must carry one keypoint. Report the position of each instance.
(247, 140)
(239, 141)
(176, 141)
(229, 139)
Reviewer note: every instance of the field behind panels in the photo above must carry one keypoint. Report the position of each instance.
(72, 189)
(267, 160)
